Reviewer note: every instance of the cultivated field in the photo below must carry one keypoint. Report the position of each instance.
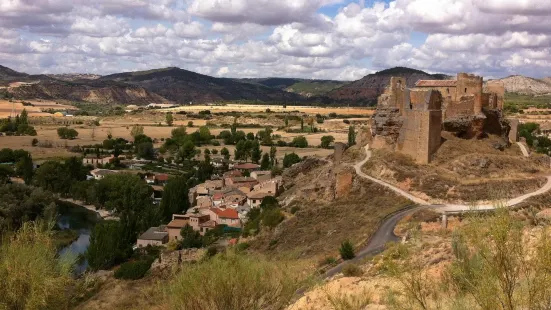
(34, 111)
(273, 108)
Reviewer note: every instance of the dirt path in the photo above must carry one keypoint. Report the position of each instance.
(451, 207)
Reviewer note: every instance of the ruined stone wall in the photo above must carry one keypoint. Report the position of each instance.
(463, 107)
(513, 131)
(497, 88)
(420, 135)
(470, 84)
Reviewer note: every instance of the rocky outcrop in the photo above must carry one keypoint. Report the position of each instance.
(466, 127)
(386, 124)
(526, 85)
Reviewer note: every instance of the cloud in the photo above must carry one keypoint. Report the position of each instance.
(328, 39)
(261, 12)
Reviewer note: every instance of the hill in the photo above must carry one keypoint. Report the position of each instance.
(526, 85)
(183, 86)
(303, 87)
(366, 90)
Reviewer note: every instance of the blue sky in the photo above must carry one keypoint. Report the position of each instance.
(326, 39)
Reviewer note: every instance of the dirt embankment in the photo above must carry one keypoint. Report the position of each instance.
(463, 171)
(325, 205)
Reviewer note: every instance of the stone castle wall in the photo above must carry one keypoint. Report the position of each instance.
(463, 107)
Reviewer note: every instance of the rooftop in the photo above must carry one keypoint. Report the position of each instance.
(246, 166)
(103, 171)
(178, 223)
(243, 179)
(161, 177)
(154, 233)
(259, 195)
(436, 83)
(226, 213)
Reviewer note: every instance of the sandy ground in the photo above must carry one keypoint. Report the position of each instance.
(274, 108)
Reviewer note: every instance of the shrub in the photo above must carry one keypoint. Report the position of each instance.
(300, 142)
(133, 270)
(290, 159)
(351, 270)
(190, 124)
(34, 142)
(67, 133)
(233, 281)
(241, 247)
(211, 251)
(271, 218)
(346, 121)
(328, 261)
(347, 250)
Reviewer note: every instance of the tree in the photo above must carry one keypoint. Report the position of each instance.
(5, 173)
(351, 136)
(190, 238)
(52, 176)
(347, 250)
(67, 133)
(290, 159)
(25, 168)
(107, 247)
(175, 197)
(265, 163)
(273, 151)
(204, 134)
(24, 117)
(225, 152)
(300, 142)
(187, 151)
(136, 130)
(256, 152)
(20, 203)
(326, 141)
(169, 119)
(286, 121)
(145, 150)
(190, 124)
(250, 136)
(302, 124)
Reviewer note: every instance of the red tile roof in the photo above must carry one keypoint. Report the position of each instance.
(226, 213)
(217, 196)
(436, 83)
(161, 177)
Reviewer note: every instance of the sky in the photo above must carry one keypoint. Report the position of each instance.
(318, 39)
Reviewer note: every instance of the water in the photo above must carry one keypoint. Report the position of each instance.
(82, 220)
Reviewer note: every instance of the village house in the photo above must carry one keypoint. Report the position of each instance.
(154, 236)
(99, 174)
(94, 160)
(271, 186)
(175, 226)
(261, 176)
(157, 195)
(254, 199)
(204, 202)
(228, 217)
(237, 182)
(161, 179)
(250, 167)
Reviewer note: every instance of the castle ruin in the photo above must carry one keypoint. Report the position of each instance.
(410, 121)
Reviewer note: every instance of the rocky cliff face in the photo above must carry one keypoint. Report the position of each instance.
(526, 85)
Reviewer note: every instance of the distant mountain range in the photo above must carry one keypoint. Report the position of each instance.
(175, 85)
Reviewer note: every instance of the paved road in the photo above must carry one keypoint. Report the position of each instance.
(385, 233)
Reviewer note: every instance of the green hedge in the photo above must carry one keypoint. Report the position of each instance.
(133, 270)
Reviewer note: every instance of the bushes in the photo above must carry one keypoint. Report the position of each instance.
(290, 159)
(232, 281)
(351, 270)
(134, 270)
(67, 133)
(299, 142)
(347, 250)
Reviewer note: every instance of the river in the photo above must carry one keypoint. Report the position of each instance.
(82, 220)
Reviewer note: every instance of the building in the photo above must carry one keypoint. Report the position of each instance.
(161, 178)
(254, 199)
(228, 217)
(154, 236)
(261, 175)
(175, 226)
(99, 174)
(237, 182)
(94, 160)
(247, 167)
(410, 120)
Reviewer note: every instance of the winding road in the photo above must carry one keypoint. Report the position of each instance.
(385, 232)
